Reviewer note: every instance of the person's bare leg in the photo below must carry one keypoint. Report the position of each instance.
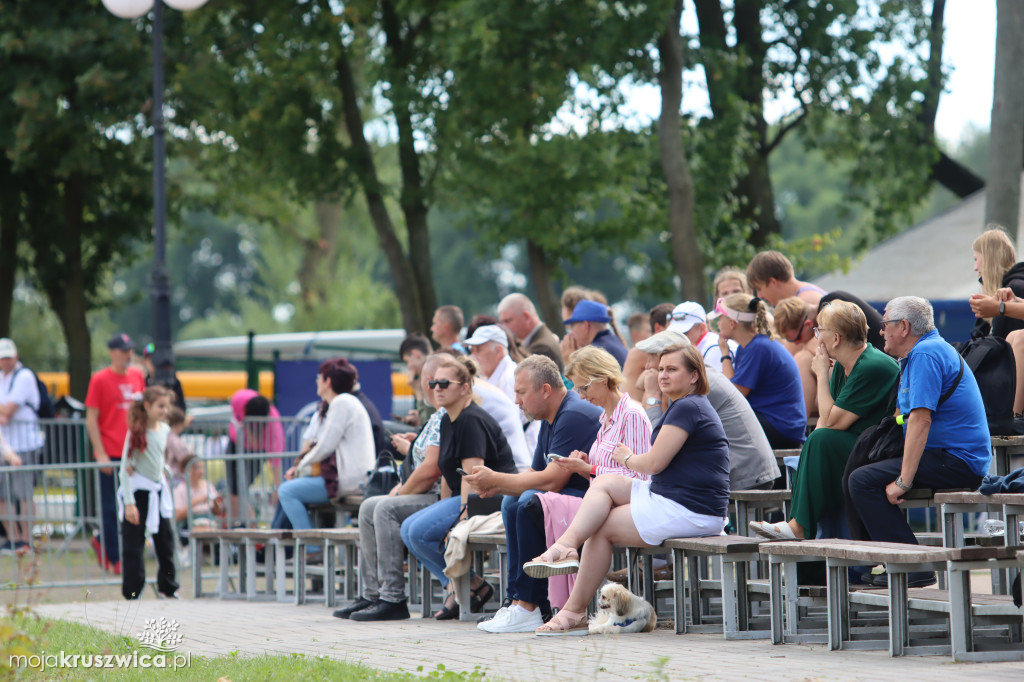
(798, 530)
(1016, 339)
(606, 492)
(618, 529)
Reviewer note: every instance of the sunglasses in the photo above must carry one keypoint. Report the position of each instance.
(441, 383)
(799, 331)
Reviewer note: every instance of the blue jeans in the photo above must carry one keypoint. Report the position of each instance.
(423, 532)
(294, 495)
(884, 521)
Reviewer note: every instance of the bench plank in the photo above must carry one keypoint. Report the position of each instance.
(718, 544)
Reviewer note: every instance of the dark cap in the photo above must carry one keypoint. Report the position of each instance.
(120, 342)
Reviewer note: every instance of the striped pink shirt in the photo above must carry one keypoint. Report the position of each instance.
(629, 425)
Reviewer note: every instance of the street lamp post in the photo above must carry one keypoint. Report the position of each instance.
(160, 281)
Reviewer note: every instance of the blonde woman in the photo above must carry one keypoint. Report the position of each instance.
(762, 370)
(995, 261)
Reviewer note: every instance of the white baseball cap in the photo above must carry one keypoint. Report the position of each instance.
(488, 332)
(8, 349)
(685, 315)
(656, 343)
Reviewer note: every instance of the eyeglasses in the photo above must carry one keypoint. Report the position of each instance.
(819, 330)
(800, 330)
(442, 383)
(583, 389)
(684, 315)
(895, 319)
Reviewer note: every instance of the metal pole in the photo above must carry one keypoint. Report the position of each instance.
(163, 356)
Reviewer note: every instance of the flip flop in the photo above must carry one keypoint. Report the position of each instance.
(553, 562)
(563, 625)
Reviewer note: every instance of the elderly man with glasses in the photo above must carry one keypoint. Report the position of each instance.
(947, 441)
(690, 320)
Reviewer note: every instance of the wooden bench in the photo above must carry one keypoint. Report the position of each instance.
(480, 546)
(325, 515)
(245, 539)
(331, 539)
(1010, 506)
(900, 560)
(731, 554)
(750, 506)
(1003, 450)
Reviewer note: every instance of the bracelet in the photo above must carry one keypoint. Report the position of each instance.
(625, 460)
(727, 357)
(903, 486)
(593, 471)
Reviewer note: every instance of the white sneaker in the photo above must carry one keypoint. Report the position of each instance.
(499, 616)
(517, 620)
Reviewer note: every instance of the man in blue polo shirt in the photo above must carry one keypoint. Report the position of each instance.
(568, 423)
(589, 326)
(947, 445)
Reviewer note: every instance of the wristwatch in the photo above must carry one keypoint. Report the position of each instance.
(653, 401)
(1002, 307)
(903, 486)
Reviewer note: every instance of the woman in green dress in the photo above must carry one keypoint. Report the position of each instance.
(854, 383)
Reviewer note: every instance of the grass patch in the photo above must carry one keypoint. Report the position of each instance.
(24, 633)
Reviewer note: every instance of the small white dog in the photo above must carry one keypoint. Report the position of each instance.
(620, 611)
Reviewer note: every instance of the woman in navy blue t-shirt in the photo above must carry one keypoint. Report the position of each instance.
(687, 496)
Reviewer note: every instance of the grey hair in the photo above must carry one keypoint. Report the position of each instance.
(542, 370)
(915, 310)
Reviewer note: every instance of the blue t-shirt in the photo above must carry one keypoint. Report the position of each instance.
(574, 427)
(959, 425)
(771, 374)
(609, 342)
(698, 476)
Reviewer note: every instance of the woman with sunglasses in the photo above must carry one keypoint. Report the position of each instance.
(854, 383)
(794, 324)
(687, 494)
(469, 437)
(762, 369)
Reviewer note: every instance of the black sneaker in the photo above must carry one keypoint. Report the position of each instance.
(383, 610)
(357, 605)
(506, 603)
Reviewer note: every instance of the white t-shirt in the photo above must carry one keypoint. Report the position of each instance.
(708, 347)
(22, 431)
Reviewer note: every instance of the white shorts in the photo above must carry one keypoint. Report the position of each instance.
(658, 518)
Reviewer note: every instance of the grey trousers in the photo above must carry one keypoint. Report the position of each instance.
(381, 552)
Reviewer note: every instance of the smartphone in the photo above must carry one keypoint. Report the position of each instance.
(461, 472)
(551, 456)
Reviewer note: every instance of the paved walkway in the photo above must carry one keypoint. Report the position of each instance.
(212, 627)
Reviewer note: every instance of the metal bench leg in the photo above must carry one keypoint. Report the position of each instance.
(299, 566)
(250, 569)
(351, 571)
(679, 590)
(196, 548)
(330, 574)
(730, 598)
(791, 587)
(899, 627)
(775, 592)
(960, 625)
(693, 581)
(427, 590)
(648, 582)
(280, 571)
(838, 606)
(225, 560)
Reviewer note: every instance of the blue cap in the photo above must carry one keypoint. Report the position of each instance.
(589, 311)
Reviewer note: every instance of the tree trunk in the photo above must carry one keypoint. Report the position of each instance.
(404, 280)
(550, 308)
(67, 297)
(1002, 194)
(738, 72)
(686, 255)
(9, 227)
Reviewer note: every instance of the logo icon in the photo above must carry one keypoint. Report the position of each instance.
(161, 635)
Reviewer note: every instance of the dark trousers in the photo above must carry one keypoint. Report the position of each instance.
(133, 565)
(776, 439)
(883, 521)
(108, 517)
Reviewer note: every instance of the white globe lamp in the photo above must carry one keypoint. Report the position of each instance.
(128, 9)
(185, 5)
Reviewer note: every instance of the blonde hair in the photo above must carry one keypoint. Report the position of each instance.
(745, 303)
(846, 319)
(997, 257)
(790, 314)
(591, 363)
(728, 273)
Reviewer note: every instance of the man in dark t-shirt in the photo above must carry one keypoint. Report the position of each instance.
(568, 423)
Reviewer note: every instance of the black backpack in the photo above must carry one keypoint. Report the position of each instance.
(991, 360)
(45, 409)
(385, 476)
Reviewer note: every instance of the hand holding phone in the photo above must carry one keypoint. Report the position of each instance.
(551, 456)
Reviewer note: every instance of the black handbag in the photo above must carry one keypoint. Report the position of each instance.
(385, 476)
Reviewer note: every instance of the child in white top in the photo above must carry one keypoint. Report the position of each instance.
(146, 495)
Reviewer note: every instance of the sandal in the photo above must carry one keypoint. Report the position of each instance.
(565, 624)
(773, 531)
(553, 562)
(481, 596)
(448, 611)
